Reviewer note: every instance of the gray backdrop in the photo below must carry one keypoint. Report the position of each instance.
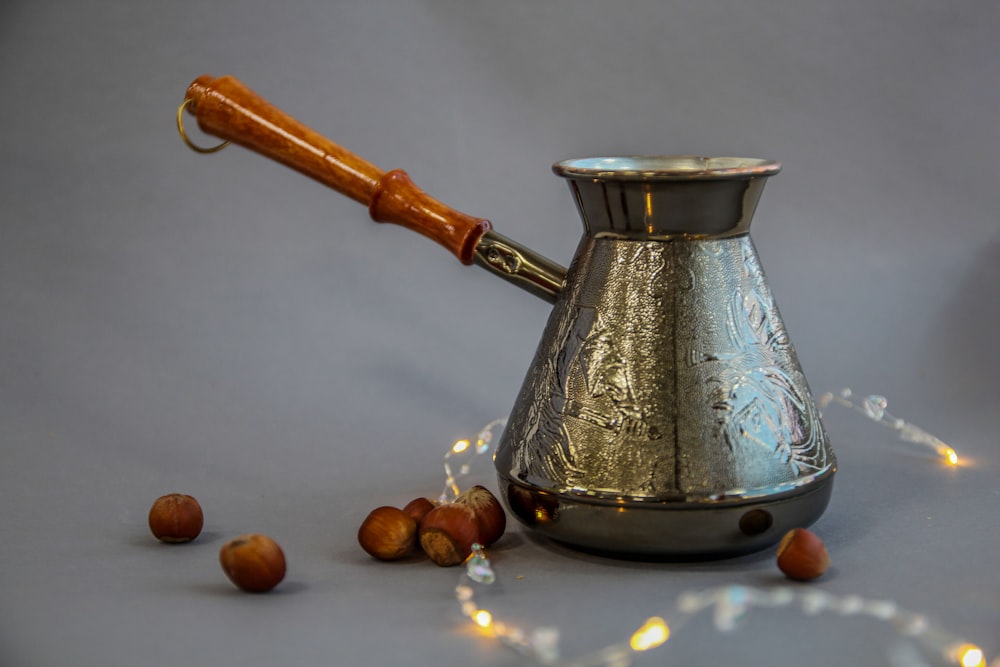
(224, 327)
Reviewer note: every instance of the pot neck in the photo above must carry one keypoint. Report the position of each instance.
(663, 197)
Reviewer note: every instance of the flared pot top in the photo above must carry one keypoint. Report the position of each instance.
(666, 196)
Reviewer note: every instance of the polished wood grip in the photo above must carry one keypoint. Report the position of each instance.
(226, 108)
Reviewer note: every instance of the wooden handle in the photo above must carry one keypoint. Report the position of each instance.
(226, 108)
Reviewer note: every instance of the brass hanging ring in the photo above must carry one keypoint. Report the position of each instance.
(184, 136)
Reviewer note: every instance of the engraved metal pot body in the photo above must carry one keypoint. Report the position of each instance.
(665, 413)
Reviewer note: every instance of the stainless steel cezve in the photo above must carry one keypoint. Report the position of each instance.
(665, 414)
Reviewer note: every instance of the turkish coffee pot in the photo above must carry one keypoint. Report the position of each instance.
(665, 414)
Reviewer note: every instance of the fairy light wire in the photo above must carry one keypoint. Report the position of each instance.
(464, 453)
(727, 605)
(874, 407)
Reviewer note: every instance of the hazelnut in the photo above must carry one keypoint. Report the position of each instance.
(489, 513)
(418, 508)
(802, 555)
(254, 563)
(176, 517)
(388, 533)
(448, 532)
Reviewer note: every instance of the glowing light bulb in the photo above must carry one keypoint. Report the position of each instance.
(653, 633)
(482, 618)
(970, 655)
(460, 447)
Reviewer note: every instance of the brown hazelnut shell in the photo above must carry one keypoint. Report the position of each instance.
(254, 563)
(176, 518)
(388, 533)
(418, 508)
(490, 517)
(448, 532)
(802, 556)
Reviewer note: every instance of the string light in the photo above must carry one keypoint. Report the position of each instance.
(482, 618)
(951, 455)
(466, 454)
(653, 633)
(727, 605)
(874, 407)
(970, 655)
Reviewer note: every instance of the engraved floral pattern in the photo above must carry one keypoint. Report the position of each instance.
(754, 398)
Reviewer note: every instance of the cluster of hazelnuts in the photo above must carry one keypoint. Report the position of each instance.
(254, 563)
(444, 532)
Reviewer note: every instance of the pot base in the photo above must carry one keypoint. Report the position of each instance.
(678, 531)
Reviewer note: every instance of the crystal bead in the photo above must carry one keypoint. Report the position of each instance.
(691, 602)
(850, 605)
(730, 607)
(874, 406)
(781, 596)
(479, 570)
(912, 625)
(545, 643)
(814, 602)
(881, 609)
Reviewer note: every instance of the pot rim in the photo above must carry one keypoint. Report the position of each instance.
(665, 168)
